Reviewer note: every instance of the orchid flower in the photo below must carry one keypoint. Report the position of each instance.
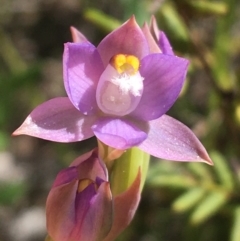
(120, 91)
(81, 206)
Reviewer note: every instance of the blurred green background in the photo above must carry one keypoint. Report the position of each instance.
(180, 201)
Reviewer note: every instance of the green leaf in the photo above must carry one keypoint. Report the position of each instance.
(159, 166)
(235, 234)
(221, 66)
(188, 199)
(208, 7)
(101, 19)
(136, 7)
(4, 139)
(11, 192)
(10, 54)
(174, 21)
(222, 170)
(209, 206)
(201, 170)
(172, 181)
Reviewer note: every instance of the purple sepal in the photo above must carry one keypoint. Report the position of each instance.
(119, 133)
(127, 39)
(152, 43)
(82, 68)
(77, 36)
(164, 76)
(57, 120)
(171, 140)
(164, 44)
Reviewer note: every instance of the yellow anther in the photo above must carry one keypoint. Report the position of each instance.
(118, 60)
(84, 184)
(125, 63)
(133, 61)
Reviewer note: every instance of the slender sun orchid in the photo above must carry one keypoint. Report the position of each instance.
(120, 91)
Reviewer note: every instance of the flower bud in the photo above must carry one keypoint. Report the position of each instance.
(79, 205)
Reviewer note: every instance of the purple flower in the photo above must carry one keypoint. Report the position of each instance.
(80, 205)
(119, 91)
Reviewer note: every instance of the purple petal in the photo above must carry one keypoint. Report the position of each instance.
(82, 67)
(57, 120)
(164, 44)
(154, 29)
(127, 39)
(160, 37)
(66, 176)
(119, 133)
(79, 160)
(163, 80)
(61, 223)
(77, 36)
(154, 48)
(90, 166)
(170, 139)
(94, 214)
(82, 206)
(125, 206)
